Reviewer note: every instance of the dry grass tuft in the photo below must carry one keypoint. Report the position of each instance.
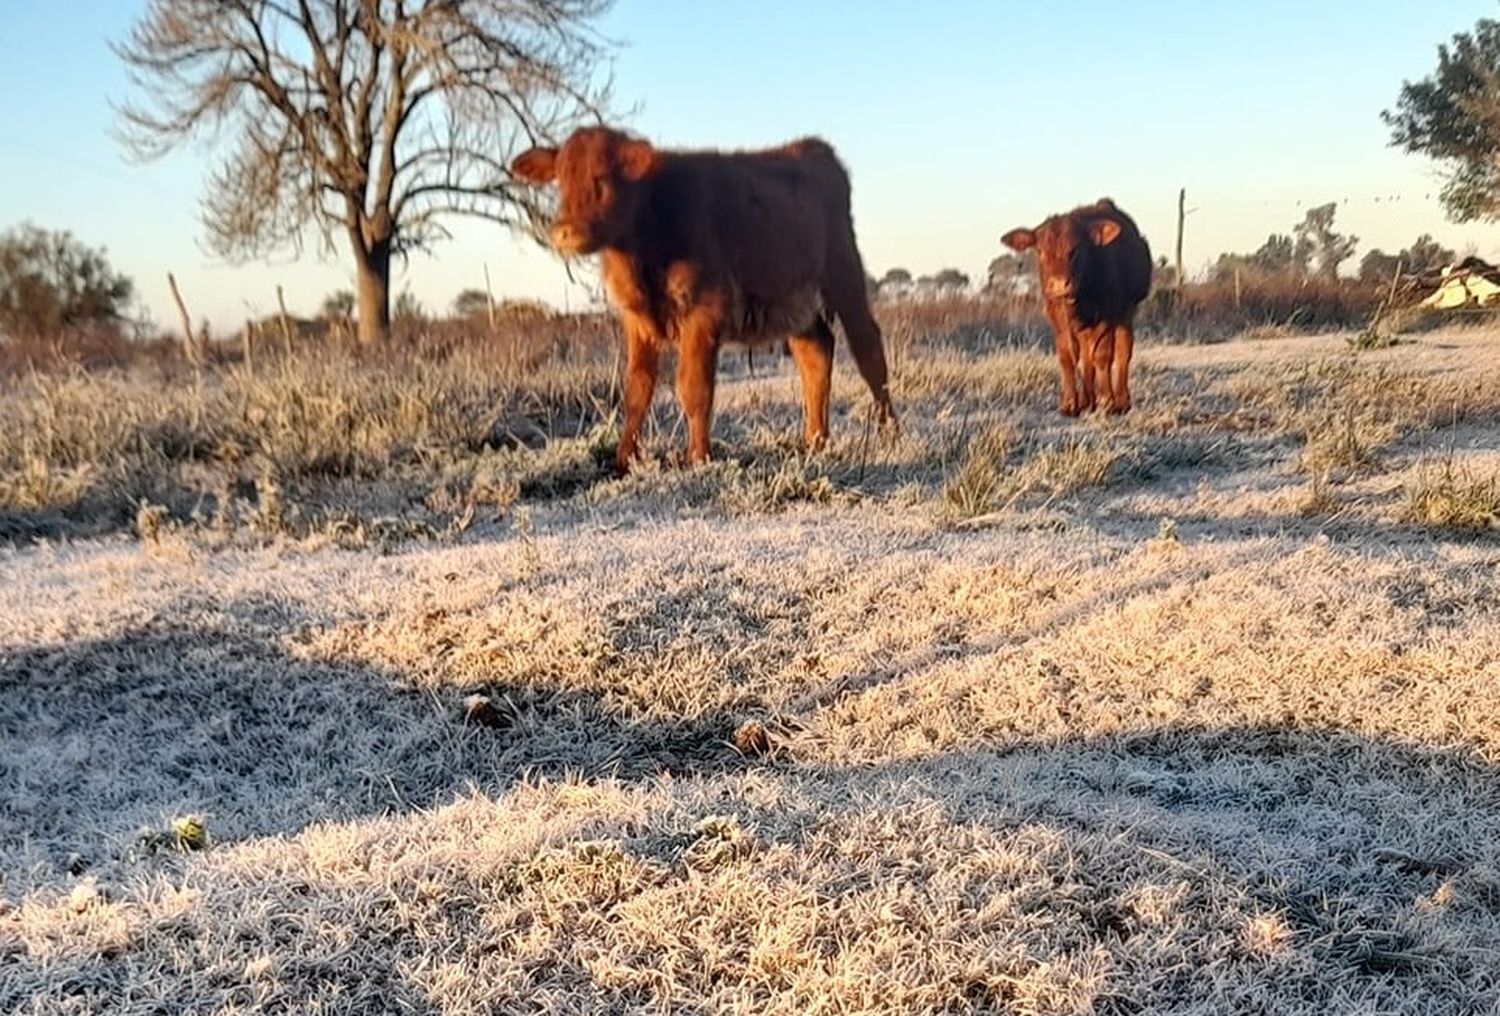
(1346, 441)
(1061, 469)
(1454, 498)
(978, 484)
(89, 447)
(1000, 470)
(1267, 936)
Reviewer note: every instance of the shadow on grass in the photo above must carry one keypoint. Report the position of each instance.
(79, 520)
(1205, 870)
(1374, 537)
(100, 738)
(1377, 860)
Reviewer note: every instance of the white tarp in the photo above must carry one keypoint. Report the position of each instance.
(1465, 284)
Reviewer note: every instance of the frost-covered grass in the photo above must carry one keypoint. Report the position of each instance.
(1105, 716)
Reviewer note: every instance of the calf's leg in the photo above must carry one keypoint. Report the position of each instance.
(813, 353)
(844, 293)
(641, 364)
(1124, 339)
(697, 363)
(1101, 342)
(1067, 359)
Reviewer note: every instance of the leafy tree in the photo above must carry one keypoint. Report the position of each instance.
(1453, 116)
(950, 278)
(1424, 257)
(1313, 246)
(1378, 266)
(896, 278)
(51, 283)
(1227, 264)
(1427, 256)
(1011, 273)
(368, 121)
(1318, 246)
(1278, 255)
(471, 303)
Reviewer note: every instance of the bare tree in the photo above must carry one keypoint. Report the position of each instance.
(364, 119)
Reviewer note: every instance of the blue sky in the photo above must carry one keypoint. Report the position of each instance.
(958, 119)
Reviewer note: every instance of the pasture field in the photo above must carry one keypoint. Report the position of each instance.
(1190, 711)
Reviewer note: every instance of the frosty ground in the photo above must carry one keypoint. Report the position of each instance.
(1190, 712)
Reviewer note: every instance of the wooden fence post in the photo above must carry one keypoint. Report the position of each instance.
(490, 296)
(286, 323)
(189, 350)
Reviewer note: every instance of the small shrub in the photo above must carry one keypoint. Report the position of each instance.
(1372, 337)
(184, 833)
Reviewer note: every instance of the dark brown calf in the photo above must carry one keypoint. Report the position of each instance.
(704, 248)
(1096, 269)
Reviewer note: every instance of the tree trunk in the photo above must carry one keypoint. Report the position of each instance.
(374, 275)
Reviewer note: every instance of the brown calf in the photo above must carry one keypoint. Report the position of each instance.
(704, 248)
(1096, 270)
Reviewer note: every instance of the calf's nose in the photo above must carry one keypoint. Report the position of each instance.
(568, 237)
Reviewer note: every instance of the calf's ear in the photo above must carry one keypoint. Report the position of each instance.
(1019, 239)
(1103, 231)
(538, 165)
(637, 158)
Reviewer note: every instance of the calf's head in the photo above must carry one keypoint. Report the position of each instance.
(598, 172)
(1065, 246)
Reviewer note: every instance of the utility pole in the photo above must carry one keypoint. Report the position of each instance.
(1181, 222)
